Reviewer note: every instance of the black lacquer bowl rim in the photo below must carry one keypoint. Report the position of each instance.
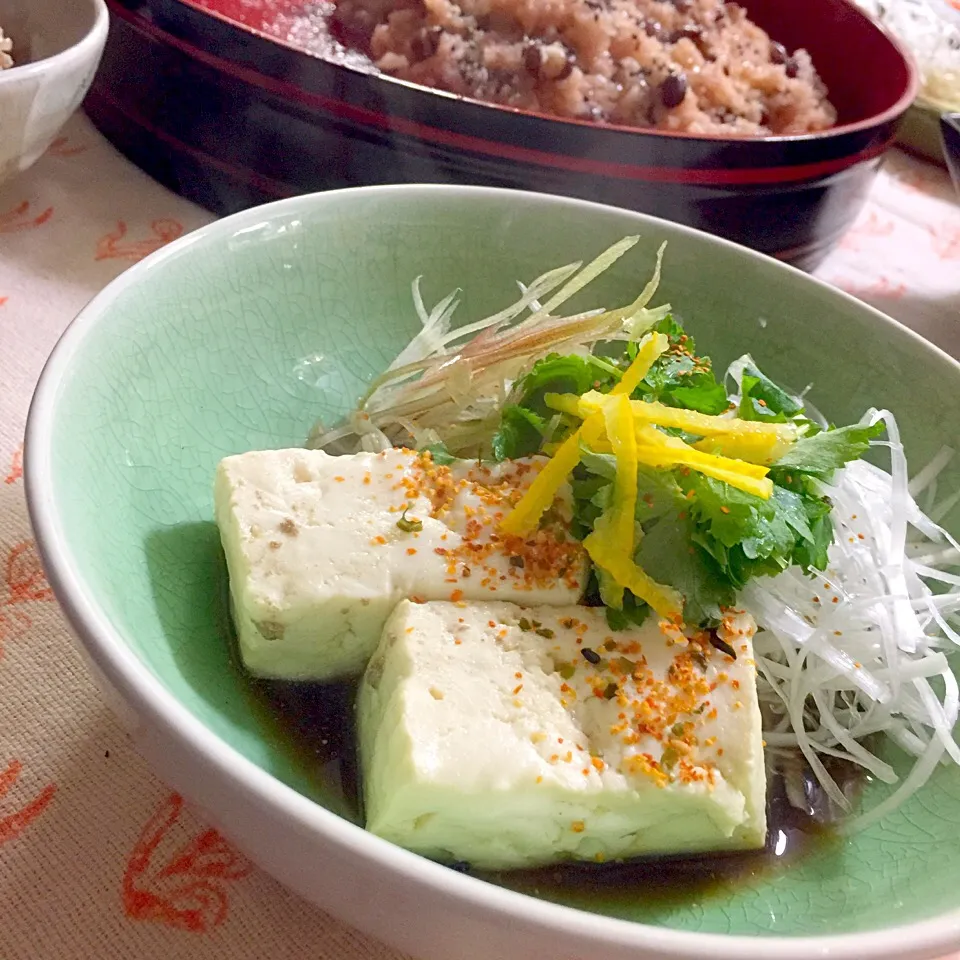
(466, 125)
(302, 69)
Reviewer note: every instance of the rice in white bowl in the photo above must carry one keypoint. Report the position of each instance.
(6, 45)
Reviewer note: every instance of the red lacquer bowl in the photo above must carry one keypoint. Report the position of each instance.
(217, 99)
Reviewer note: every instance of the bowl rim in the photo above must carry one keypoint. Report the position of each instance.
(136, 684)
(86, 48)
(894, 111)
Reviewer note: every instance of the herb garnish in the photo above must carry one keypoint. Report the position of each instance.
(697, 534)
(409, 524)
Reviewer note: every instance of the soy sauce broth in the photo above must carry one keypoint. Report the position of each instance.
(672, 881)
(316, 723)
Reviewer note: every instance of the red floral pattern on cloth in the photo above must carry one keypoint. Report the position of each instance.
(117, 246)
(23, 583)
(901, 254)
(13, 824)
(945, 238)
(146, 877)
(16, 466)
(22, 217)
(866, 228)
(188, 889)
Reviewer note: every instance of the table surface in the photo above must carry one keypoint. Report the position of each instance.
(97, 858)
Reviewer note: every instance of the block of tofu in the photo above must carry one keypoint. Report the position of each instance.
(514, 737)
(320, 549)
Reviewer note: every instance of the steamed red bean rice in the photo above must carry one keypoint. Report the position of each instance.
(695, 66)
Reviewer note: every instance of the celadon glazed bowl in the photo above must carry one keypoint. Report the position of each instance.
(238, 337)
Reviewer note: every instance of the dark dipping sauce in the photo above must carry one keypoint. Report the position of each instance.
(316, 723)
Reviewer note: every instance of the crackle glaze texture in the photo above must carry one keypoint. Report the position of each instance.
(241, 337)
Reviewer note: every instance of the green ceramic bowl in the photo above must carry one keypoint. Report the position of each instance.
(241, 335)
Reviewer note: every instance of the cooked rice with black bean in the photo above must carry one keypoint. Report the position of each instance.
(696, 66)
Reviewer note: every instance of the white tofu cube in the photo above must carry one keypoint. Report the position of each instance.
(320, 549)
(489, 735)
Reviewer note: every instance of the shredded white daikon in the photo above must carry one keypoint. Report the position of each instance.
(862, 649)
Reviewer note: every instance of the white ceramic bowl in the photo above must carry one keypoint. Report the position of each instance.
(57, 49)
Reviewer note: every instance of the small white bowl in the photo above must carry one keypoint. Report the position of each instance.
(57, 46)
